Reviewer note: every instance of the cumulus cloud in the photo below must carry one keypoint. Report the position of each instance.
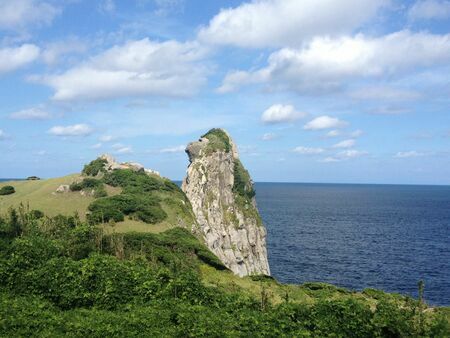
(268, 136)
(35, 113)
(137, 68)
(328, 64)
(408, 154)
(73, 130)
(308, 150)
(385, 93)
(279, 113)
(13, 58)
(324, 122)
(429, 9)
(275, 23)
(177, 149)
(19, 14)
(345, 144)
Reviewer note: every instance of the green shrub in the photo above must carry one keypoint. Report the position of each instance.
(95, 167)
(36, 214)
(242, 182)
(146, 207)
(7, 190)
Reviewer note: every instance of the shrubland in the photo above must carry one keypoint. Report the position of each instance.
(65, 277)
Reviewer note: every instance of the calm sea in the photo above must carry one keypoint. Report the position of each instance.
(358, 236)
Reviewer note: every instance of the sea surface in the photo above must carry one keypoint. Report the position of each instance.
(360, 236)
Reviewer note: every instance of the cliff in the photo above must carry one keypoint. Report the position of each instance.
(223, 200)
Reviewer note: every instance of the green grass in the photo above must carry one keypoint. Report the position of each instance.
(40, 195)
(218, 141)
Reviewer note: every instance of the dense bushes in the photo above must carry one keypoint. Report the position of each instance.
(7, 190)
(62, 277)
(92, 184)
(95, 167)
(143, 207)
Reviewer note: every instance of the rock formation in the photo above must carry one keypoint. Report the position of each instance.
(112, 164)
(222, 197)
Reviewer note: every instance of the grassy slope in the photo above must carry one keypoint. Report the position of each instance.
(41, 195)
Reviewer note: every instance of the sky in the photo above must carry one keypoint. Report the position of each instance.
(349, 91)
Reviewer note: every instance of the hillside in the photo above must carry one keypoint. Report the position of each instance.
(41, 195)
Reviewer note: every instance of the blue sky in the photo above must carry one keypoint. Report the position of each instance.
(351, 91)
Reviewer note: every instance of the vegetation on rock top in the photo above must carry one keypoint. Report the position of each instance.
(218, 141)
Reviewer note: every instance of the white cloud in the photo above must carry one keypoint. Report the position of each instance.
(13, 58)
(177, 149)
(2, 135)
(54, 52)
(324, 122)
(268, 136)
(345, 155)
(333, 133)
(429, 9)
(408, 154)
(308, 150)
(328, 64)
(275, 23)
(279, 113)
(137, 68)
(389, 110)
(35, 113)
(18, 14)
(345, 144)
(74, 130)
(124, 150)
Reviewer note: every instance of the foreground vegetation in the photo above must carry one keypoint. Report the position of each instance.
(61, 276)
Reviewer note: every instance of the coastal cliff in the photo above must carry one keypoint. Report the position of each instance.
(223, 200)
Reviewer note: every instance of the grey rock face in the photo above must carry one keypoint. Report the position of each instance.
(111, 164)
(229, 222)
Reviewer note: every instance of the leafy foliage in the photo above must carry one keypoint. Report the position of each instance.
(63, 277)
(242, 182)
(95, 167)
(7, 190)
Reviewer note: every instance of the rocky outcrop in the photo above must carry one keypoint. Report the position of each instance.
(222, 197)
(111, 164)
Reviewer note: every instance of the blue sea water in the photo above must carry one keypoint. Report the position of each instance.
(359, 236)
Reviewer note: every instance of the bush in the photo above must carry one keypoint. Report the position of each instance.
(242, 183)
(95, 167)
(7, 190)
(36, 214)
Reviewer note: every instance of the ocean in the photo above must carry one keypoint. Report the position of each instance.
(386, 237)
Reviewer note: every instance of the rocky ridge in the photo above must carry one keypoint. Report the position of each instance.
(222, 197)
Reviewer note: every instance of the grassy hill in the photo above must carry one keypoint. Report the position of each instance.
(41, 195)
